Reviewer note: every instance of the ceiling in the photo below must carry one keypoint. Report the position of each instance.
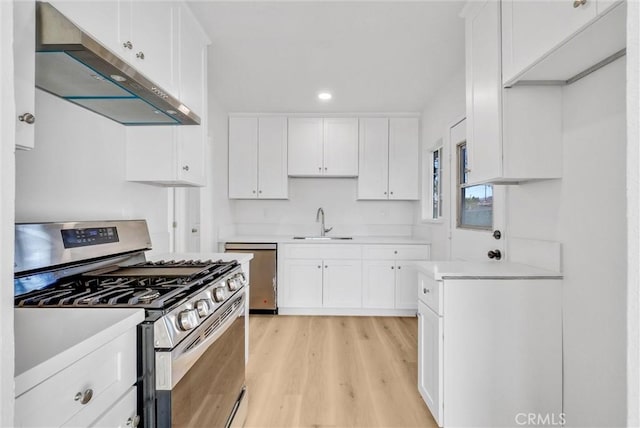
(272, 56)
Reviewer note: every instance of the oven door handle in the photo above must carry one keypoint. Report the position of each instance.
(171, 366)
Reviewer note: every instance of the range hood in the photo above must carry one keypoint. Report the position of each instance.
(72, 65)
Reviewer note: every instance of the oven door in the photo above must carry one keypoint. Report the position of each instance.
(200, 383)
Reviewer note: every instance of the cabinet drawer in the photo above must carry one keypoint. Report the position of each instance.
(430, 292)
(108, 372)
(323, 251)
(121, 415)
(396, 252)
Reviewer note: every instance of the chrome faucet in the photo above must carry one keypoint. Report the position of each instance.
(323, 231)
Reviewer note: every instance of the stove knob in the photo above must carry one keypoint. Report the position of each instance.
(242, 278)
(188, 319)
(202, 306)
(219, 294)
(232, 283)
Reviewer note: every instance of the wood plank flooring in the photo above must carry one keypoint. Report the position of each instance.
(334, 372)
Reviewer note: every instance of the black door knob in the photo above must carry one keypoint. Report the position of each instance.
(494, 254)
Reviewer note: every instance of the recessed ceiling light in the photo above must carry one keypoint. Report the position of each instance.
(324, 96)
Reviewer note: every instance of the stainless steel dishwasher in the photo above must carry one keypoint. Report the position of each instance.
(263, 275)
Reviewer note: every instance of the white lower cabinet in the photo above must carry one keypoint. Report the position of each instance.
(342, 284)
(348, 279)
(490, 351)
(430, 361)
(87, 391)
(318, 283)
(302, 287)
(123, 414)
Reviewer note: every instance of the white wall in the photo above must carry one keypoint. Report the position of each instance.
(7, 178)
(441, 113)
(586, 212)
(77, 172)
(337, 197)
(593, 232)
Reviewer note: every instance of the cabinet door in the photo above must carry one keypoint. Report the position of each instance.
(302, 284)
(151, 154)
(373, 155)
(100, 19)
(243, 157)
(484, 88)
(154, 41)
(192, 57)
(272, 158)
(533, 28)
(430, 360)
(406, 286)
(342, 284)
(404, 158)
(24, 30)
(340, 147)
(305, 147)
(378, 284)
(191, 158)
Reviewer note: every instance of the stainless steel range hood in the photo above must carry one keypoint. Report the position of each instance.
(73, 66)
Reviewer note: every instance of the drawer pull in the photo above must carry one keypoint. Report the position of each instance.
(578, 3)
(133, 422)
(84, 397)
(426, 291)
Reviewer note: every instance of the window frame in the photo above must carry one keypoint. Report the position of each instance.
(428, 194)
(461, 185)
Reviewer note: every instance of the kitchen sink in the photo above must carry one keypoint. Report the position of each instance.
(323, 238)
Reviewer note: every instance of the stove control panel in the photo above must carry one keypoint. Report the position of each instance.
(188, 320)
(73, 238)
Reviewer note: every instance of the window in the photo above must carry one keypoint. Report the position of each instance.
(475, 203)
(436, 184)
(432, 185)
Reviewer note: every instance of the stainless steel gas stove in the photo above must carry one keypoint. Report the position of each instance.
(191, 344)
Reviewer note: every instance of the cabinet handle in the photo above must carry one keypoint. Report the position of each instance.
(133, 422)
(325, 168)
(392, 267)
(253, 191)
(578, 3)
(399, 267)
(395, 252)
(426, 291)
(27, 118)
(84, 397)
(186, 167)
(385, 193)
(259, 191)
(325, 266)
(392, 193)
(319, 169)
(319, 267)
(140, 55)
(127, 45)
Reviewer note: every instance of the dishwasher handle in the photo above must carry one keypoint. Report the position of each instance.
(230, 246)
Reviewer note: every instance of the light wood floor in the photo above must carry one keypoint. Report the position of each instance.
(334, 372)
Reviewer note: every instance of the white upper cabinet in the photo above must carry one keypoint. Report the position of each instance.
(258, 158)
(323, 147)
(143, 33)
(175, 155)
(373, 179)
(514, 134)
(24, 33)
(404, 137)
(340, 147)
(152, 33)
(556, 40)
(389, 153)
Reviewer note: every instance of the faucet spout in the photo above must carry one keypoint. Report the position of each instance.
(319, 217)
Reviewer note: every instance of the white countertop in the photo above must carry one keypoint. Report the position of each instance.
(225, 257)
(48, 340)
(288, 239)
(480, 270)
